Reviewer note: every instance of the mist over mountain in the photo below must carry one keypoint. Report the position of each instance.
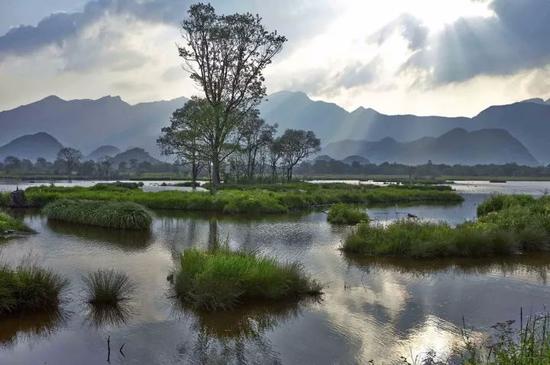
(32, 147)
(87, 124)
(458, 146)
(103, 152)
(528, 121)
(134, 155)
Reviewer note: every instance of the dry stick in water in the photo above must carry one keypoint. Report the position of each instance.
(109, 349)
(120, 350)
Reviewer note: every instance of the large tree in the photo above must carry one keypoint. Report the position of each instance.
(296, 145)
(226, 56)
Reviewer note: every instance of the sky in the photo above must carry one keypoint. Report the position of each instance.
(425, 57)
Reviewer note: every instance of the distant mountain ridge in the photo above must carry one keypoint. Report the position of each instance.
(103, 152)
(32, 146)
(87, 124)
(458, 146)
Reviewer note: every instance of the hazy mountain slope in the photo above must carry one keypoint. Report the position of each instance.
(137, 154)
(89, 123)
(455, 147)
(32, 147)
(102, 152)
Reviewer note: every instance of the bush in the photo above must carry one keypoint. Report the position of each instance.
(221, 279)
(119, 215)
(108, 288)
(498, 202)
(28, 289)
(345, 214)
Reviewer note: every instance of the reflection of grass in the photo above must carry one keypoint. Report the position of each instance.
(538, 264)
(222, 279)
(119, 215)
(29, 288)
(31, 325)
(127, 240)
(346, 214)
(109, 315)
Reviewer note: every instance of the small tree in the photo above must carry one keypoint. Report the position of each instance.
(71, 157)
(297, 145)
(225, 56)
(185, 138)
(256, 134)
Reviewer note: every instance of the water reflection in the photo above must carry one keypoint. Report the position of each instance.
(126, 240)
(537, 265)
(31, 327)
(99, 316)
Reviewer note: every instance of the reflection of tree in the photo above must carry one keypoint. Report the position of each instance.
(36, 325)
(238, 336)
(539, 264)
(213, 234)
(124, 239)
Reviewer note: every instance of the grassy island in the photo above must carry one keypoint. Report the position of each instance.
(9, 224)
(346, 214)
(505, 225)
(119, 215)
(222, 279)
(28, 289)
(253, 199)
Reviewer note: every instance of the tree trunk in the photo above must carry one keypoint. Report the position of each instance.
(194, 173)
(215, 178)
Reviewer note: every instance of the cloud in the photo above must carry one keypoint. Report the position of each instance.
(408, 26)
(516, 38)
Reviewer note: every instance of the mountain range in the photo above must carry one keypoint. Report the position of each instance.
(86, 124)
(458, 146)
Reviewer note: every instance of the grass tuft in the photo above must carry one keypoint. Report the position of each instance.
(119, 215)
(108, 288)
(8, 223)
(29, 288)
(346, 214)
(222, 279)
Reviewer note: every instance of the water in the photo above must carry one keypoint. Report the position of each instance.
(377, 309)
(159, 185)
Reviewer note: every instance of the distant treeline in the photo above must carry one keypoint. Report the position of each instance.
(339, 168)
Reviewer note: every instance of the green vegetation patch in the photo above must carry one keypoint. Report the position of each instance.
(506, 225)
(8, 223)
(119, 215)
(222, 279)
(346, 214)
(28, 288)
(108, 288)
(265, 199)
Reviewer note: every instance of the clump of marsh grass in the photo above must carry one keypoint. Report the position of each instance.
(29, 288)
(346, 214)
(119, 215)
(221, 279)
(108, 288)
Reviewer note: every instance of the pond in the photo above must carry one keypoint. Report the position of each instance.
(377, 309)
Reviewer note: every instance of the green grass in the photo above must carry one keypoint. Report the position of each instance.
(346, 214)
(7, 223)
(119, 215)
(506, 225)
(108, 288)
(28, 288)
(264, 199)
(222, 279)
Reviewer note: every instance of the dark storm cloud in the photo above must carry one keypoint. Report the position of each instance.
(57, 28)
(409, 27)
(516, 38)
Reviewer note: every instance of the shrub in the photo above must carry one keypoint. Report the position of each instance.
(498, 202)
(222, 279)
(345, 214)
(120, 215)
(29, 288)
(108, 288)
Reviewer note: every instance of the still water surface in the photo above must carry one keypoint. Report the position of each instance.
(377, 309)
